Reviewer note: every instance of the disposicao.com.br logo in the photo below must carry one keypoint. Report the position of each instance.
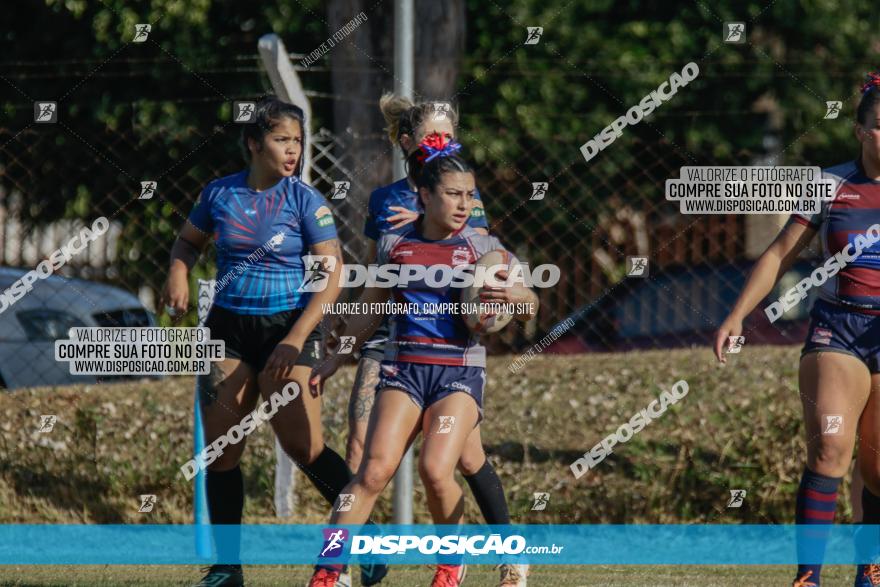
(432, 544)
(318, 269)
(334, 542)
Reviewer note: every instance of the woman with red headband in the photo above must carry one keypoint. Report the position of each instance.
(433, 371)
(839, 375)
(391, 209)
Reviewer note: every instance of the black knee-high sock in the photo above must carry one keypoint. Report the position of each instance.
(487, 490)
(870, 507)
(225, 506)
(328, 473)
(867, 539)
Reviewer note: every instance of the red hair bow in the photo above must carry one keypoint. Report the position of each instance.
(436, 145)
(873, 81)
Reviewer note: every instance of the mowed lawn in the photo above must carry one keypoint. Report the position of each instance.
(738, 428)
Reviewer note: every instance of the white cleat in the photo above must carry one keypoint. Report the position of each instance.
(344, 579)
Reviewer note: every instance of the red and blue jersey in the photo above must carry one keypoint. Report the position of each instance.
(400, 194)
(260, 239)
(855, 207)
(433, 338)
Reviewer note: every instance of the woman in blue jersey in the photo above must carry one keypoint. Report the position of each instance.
(433, 373)
(839, 374)
(391, 208)
(263, 220)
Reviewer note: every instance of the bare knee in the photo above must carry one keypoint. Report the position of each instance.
(830, 458)
(226, 461)
(472, 461)
(435, 475)
(225, 453)
(376, 474)
(302, 451)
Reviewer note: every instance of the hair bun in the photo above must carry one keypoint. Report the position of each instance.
(872, 80)
(436, 145)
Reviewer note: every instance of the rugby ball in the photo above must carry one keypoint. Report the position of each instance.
(482, 322)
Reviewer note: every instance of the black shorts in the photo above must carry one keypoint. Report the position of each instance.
(253, 338)
(374, 348)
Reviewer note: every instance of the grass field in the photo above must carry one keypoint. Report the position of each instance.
(738, 428)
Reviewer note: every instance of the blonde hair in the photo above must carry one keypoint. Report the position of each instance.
(402, 116)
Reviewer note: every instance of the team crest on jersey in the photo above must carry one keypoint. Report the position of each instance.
(324, 216)
(461, 256)
(477, 210)
(821, 336)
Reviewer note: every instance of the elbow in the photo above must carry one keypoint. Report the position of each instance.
(185, 250)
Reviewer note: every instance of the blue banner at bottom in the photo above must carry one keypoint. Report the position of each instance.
(426, 544)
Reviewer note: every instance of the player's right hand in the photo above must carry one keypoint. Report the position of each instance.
(403, 217)
(731, 326)
(321, 373)
(175, 296)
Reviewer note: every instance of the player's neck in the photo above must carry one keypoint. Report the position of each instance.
(259, 180)
(871, 167)
(434, 232)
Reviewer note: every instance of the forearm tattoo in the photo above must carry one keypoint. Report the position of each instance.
(361, 403)
(331, 248)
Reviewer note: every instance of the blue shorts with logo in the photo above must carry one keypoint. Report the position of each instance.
(427, 384)
(835, 328)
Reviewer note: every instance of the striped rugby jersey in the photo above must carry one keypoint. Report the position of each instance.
(855, 207)
(260, 239)
(435, 339)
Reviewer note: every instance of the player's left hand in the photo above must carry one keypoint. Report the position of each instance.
(403, 217)
(282, 360)
(501, 294)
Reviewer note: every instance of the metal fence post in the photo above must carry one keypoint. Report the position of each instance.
(403, 86)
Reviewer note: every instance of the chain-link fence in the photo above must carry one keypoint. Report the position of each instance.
(544, 204)
(594, 222)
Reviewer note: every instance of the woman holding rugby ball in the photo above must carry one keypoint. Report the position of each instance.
(433, 373)
(839, 371)
(391, 208)
(263, 219)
